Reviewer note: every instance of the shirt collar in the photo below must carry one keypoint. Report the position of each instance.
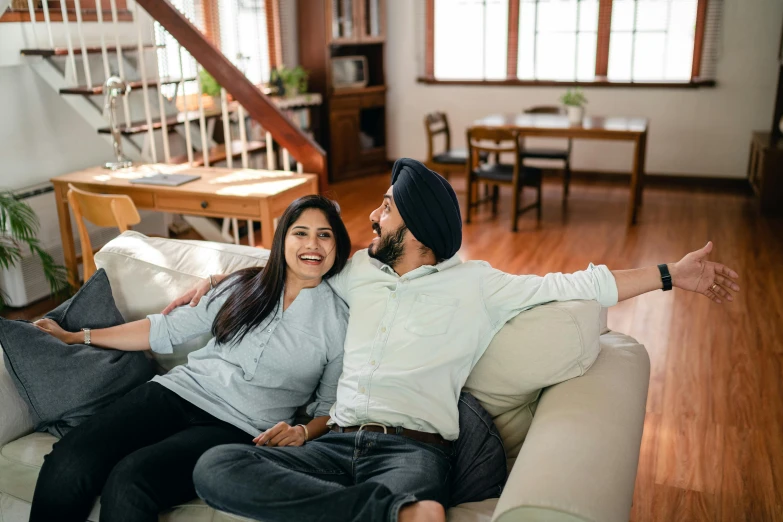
(422, 270)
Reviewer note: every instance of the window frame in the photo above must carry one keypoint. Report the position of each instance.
(601, 59)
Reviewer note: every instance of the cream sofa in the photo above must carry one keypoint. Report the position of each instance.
(572, 448)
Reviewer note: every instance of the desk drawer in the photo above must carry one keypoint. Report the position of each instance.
(208, 205)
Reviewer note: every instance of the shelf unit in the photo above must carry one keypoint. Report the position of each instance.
(355, 118)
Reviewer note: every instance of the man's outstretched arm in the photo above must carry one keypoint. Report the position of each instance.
(693, 272)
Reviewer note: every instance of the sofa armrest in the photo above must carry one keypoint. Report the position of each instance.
(15, 419)
(579, 460)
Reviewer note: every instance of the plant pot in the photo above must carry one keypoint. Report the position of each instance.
(575, 114)
(291, 91)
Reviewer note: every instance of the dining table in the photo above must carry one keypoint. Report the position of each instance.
(612, 128)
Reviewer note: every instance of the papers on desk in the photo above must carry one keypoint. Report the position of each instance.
(168, 180)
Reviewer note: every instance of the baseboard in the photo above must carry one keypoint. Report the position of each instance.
(735, 185)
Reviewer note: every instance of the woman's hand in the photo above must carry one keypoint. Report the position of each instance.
(194, 295)
(52, 328)
(695, 273)
(281, 434)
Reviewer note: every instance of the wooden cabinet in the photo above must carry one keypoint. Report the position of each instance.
(765, 172)
(344, 130)
(356, 141)
(356, 21)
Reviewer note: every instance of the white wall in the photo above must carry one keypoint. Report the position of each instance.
(41, 136)
(692, 131)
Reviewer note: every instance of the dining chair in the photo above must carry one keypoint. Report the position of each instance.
(496, 141)
(449, 160)
(103, 210)
(545, 153)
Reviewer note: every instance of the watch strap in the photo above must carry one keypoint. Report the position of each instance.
(666, 277)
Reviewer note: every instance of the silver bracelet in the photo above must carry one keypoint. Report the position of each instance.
(307, 434)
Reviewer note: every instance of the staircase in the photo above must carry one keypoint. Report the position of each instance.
(158, 48)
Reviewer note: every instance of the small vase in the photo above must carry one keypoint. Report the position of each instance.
(575, 114)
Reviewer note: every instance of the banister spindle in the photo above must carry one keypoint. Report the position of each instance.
(145, 87)
(202, 120)
(82, 45)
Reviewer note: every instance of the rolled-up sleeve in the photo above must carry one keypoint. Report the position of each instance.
(183, 323)
(506, 295)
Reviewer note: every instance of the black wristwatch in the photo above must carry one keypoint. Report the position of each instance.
(666, 277)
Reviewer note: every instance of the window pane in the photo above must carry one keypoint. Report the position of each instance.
(556, 15)
(471, 39)
(649, 56)
(655, 43)
(620, 56)
(459, 39)
(496, 31)
(585, 58)
(527, 37)
(679, 58)
(622, 15)
(588, 15)
(556, 56)
(652, 15)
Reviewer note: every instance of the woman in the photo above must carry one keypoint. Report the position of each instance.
(278, 336)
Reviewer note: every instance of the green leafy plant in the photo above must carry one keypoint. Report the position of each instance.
(209, 85)
(18, 229)
(574, 98)
(294, 80)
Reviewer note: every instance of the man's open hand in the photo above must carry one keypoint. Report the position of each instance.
(695, 273)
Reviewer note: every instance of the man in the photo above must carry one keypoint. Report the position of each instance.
(420, 320)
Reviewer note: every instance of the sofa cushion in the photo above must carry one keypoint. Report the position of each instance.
(147, 273)
(21, 461)
(538, 348)
(65, 384)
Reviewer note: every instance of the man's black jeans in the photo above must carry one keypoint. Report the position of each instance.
(138, 454)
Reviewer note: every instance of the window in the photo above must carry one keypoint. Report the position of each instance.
(241, 29)
(572, 41)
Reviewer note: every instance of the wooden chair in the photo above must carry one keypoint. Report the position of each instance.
(563, 155)
(449, 160)
(492, 140)
(103, 210)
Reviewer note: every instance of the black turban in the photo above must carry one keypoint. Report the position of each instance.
(428, 206)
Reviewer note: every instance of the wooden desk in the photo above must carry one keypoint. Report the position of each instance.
(260, 195)
(592, 128)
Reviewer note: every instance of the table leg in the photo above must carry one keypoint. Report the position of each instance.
(635, 175)
(66, 234)
(267, 226)
(642, 171)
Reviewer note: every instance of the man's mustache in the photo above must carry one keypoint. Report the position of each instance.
(377, 228)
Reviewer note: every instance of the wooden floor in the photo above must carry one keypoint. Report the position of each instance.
(713, 437)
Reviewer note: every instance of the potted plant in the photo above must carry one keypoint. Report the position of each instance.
(575, 102)
(294, 80)
(18, 228)
(210, 87)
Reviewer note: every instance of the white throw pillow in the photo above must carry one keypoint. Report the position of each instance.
(147, 273)
(540, 347)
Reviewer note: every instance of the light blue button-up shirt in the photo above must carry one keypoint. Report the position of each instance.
(413, 340)
(275, 369)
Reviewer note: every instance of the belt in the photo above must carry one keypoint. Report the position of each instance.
(420, 436)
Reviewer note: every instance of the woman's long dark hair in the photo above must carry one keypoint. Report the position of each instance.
(254, 293)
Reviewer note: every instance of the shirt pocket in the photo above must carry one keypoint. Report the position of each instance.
(431, 315)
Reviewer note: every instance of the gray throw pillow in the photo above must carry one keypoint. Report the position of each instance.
(63, 385)
(478, 471)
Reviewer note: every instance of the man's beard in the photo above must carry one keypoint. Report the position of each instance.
(389, 249)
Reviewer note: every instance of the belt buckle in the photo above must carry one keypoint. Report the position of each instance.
(361, 428)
